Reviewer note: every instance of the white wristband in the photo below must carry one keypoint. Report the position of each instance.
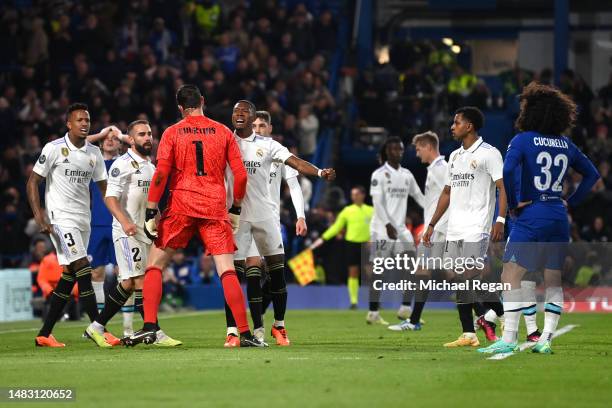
(501, 219)
(319, 173)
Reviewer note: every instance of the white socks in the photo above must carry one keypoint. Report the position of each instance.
(98, 288)
(232, 330)
(552, 312)
(128, 314)
(513, 306)
(529, 305)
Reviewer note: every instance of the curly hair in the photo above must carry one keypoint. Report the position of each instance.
(382, 153)
(546, 110)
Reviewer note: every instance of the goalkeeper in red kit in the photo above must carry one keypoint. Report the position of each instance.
(193, 154)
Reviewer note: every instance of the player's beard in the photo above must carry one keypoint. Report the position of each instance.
(144, 150)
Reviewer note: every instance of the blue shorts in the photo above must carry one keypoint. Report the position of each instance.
(101, 247)
(538, 243)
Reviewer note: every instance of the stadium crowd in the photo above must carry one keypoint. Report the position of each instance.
(126, 59)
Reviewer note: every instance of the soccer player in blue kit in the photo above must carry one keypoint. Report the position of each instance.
(541, 228)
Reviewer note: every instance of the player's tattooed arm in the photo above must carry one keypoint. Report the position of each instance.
(309, 169)
(441, 208)
(34, 200)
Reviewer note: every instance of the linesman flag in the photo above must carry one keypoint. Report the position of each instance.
(303, 267)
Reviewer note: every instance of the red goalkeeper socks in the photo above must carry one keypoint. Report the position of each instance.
(235, 299)
(151, 293)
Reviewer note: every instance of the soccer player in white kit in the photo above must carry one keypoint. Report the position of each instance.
(278, 172)
(68, 165)
(427, 150)
(474, 172)
(390, 188)
(126, 197)
(258, 219)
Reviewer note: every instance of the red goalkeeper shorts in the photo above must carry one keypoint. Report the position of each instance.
(176, 230)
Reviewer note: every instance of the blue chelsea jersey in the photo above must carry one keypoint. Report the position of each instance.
(543, 162)
(100, 216)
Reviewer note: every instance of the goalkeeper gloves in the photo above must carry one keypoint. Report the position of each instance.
(234, 216)
(150, 227)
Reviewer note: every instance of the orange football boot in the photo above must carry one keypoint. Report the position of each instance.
(112, 340)
(280, 334)
(232, 341)
(42, 341)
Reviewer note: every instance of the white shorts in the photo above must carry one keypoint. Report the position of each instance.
(383, 247)
(131, 257)
(259, 238)
(436, 250)
(460, 250)
(70, 243)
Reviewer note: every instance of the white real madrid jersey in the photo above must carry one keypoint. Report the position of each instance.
(68, 171)
(129, 180)
(395, 186)
(472, 174)
(437, 172)
(279, 172)
(258, 154)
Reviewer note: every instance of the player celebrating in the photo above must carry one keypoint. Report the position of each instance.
(426, 145)
(543, 156)
(469, 196)
(126, 196)
(194, 153)
(259, 222)
(390, 188)
(68, 165)
(356, 219)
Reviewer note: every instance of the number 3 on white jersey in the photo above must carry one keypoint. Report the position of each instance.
(546, 161)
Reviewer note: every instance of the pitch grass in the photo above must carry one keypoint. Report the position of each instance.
(335, 360)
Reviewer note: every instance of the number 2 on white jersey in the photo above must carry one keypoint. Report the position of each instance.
(546, 161)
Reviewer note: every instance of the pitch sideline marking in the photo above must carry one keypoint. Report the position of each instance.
(524, 346)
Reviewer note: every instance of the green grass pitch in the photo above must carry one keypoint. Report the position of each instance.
(335, 360)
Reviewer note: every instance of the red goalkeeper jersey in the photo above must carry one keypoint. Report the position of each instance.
(197, 150)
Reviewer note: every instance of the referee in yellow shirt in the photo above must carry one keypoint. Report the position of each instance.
(356, 219)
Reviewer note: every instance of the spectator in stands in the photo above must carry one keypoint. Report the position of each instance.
(176, 276)
(307, 131)
(597, 231)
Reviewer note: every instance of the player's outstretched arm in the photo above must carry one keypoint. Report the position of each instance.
(309, 169)
(32, 189)
(441, 208)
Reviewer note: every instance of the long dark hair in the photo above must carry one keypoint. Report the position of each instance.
(546, 110)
